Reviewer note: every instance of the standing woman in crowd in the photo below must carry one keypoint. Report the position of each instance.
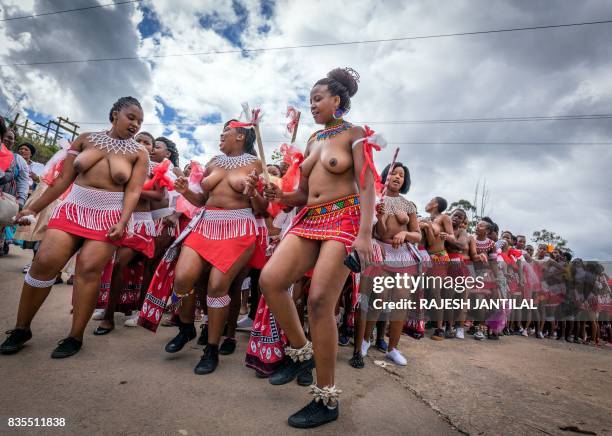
(221, 241)
(107, 170)
(14, 174)
(396, 227)
(337, 189)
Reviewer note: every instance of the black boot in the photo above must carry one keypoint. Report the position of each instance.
(66, 347)
(313, 415)
(209, 361)
(203, 339)
(305, 378)
(187, 332)
(290, 370)
(15, 340)
(228, 346)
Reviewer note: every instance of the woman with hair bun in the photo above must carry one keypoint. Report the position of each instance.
(337, 190)
(106, 170)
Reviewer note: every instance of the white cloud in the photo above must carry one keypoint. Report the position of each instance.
(561, 71)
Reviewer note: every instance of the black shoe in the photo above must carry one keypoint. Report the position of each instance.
(305, 378)
(101, 331)
(15, 340)
(187, 332)
(343, 340)
(381, 345)
(357, 361)
(209, 361)
(203, 339)
(313, 415)
(290, 370)
(228, 346)
(66, 348)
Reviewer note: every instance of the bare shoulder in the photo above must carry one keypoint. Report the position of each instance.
(356, 132)
(80, 140)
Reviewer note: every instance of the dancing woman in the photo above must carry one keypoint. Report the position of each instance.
(222, 241)
(107, 170)
(337, 188)
(139, 242)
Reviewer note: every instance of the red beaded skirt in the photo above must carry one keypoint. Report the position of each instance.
(88, 213)
(336, 220)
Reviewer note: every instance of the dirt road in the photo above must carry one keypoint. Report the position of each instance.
(125, 383)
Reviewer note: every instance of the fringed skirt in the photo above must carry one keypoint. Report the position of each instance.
(88, 213)
(221, 236)
(399, 260)
(161, 227)
(141, 235)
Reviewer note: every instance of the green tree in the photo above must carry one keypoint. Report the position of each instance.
(550, 238)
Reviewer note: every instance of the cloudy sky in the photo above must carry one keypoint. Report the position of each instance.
(552, 72)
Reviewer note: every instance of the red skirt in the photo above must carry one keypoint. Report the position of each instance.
(222, 235)
(141, 236)
(439, 263)
(88, 213)
(266, 347)
(158, 216)
(129, 296)
(457, 266)
(259, 258)
(336, 220)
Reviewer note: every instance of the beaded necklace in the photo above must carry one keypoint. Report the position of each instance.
(231, 162)
(102, 141)
(333, 129)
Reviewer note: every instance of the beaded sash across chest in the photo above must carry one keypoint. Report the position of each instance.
(102, 141)
(231, 162)
(333, 129)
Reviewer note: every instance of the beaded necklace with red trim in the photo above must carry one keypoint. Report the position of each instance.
(332, 129)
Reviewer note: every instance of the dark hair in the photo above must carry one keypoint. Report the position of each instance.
(494, 227)
(508, 232)
(2, 128)
(29, 145)
(147, 134)
(406, 186)
(171, 146)
(568, 256)
(275, 166)
(442, 204)
(487, 222)
(460, 210)
(123, 103)
(521, 236)
(343, 83)
(249, 138)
